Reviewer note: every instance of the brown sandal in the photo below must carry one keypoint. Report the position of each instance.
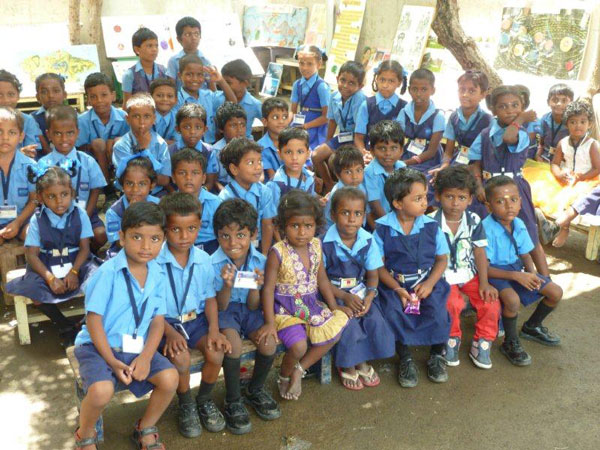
(138, 434)
(80, 443)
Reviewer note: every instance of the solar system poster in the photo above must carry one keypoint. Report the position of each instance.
(543, 44)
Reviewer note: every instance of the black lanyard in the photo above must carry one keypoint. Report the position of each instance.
(136, 315)
(575, 147)
(359, 264)
(289, 181)
(61, 243)
(237, 195)
(553, 131)
(513, 241)
(79, 169)
(453, 249)
(303, 99)
(98, 134)
(6, 181)
(185, 291)
(461, 134)
(345, 118)
(148, 81)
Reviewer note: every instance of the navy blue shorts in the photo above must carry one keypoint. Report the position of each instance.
(209, 246)
(195, 329)
(243, 320)
(96, 221)
(526, 296)
(93, 368)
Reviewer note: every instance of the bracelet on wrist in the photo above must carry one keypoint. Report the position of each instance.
(51, 278)
(75, 271)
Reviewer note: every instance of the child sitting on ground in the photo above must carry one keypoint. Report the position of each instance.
(190, 126)
(164, 94)
(276, 117)
(50, 92)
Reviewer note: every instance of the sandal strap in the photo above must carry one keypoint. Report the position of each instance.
(146, 431)
(82, 442)
(297, 366)
(347, 376)
(367, 374)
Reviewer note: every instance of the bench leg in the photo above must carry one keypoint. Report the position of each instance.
(99, 423)
(22, 320)
(326, 368)
(593, 242)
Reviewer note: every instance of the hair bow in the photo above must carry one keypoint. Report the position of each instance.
(39, 170)
(143, 154)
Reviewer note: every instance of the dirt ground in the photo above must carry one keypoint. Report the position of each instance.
(552, 404)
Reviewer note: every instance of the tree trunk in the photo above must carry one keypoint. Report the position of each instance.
(91, 31)
(74, 22)
(451, 35)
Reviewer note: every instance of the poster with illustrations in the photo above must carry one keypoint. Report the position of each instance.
(272, 80)
(371, 59)
(411, 36)
(316, 33)
(274, 25)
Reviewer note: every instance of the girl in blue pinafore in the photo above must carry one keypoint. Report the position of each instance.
(310, 95)
(57, 248)
(412, 290)
(384, 105)
(352, 260)
(501, 149)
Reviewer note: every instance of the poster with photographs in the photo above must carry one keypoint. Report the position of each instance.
(411, 35)
(272, 80)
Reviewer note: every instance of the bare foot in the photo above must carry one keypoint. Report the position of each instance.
(295, 387)
(283, 383)
(561, 237)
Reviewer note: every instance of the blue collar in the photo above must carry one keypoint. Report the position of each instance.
(379, 170)
(333, 235)
(310, 81)
(393, 99)
(196, 256)
(410, 112)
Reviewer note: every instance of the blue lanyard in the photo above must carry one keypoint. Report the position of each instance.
(6, 181)
(186, 290)
(303, 99)
(510, 235)
(554, 131)
(289, 181)
(98, 134)
(359, 264)
(345, 118)
(453, 246)
(148, 81)
(136, 315)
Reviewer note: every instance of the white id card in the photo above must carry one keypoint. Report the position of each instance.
(417, 146)
(359, 290)
(463, 155)
(131, 345)
(460, 276)
(255, 243)
(299, 120)
(8, 212)
(82, 204)
(346, 283)
(245, 280)
(179, 328)
(346, 136)
(61, 271)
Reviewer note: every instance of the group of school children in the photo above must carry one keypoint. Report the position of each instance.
(213, 241)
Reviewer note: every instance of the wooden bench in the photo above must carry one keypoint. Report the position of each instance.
(591, 226)
(197, 361)
(12, 256)
(27, 314)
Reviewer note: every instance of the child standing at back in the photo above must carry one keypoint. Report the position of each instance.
(384, 105)
(294, 276)
(50, 92)
(164, 93)
(310, 95)
(139, 76)
(552, 126)
(276, 118)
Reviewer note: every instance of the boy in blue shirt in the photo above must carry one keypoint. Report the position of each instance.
(139, 76)
(192, 314)
(140, 116)
(551, 126)
(50, 92)
(231, 122)
(238, 75)
(164, 93)
(239, 270)
(189, 175)
(513, 272)
(242, 160)
(276, 117)
(17, 195)
(125, 301)
(386, 139)
(100, 126)
(189, 32)
(88, 182)
(190, 126)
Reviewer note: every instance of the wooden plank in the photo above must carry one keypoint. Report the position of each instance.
(593, 242)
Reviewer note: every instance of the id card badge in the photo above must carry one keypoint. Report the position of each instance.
(82, 204)
(417, 146)
(463, 155)
(8, 212)
(187, 317)
(299, 120)
(346, 283)
(245, 280)
(360, 291)
(133, 345)
(346, 136)
(181, 330)
(61, 271)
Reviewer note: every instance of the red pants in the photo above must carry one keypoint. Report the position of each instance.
(488, 314)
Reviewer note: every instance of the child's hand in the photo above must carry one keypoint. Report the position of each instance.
(215, 76)
(353, 302)
(228, 275)
(30, 150)
(140, 368)
(260, 277)
(265, 332)
(57, 286)
(528, 116)
(71, 281)
(488, 293)
(367, 302)
(579, 177)
(481, 194)
(318, 185)
(423, 290)
(10, 230)
(122, 371)
(403, 295)
(348, 311)
(564, 177)
(218, 341)
(367, 157)
(529, 281)
(174, 345)
(144, 140)
(434, 172)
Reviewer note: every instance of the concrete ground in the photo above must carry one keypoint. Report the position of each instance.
(553, 404)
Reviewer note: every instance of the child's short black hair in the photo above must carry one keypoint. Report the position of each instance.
(398, 184)
(235, 150)
(61, 112)
(423, 74)
(347, 192)
(8, 77)
(191, 58)
(561, 89)
(189, 155)
(8, 114)
(386, 131)
(355, 69)
(273, 103)
(293, 133)
(393, 66)
(457, 177)
(576, 108)
(477, 77)
(97, 79)
(345, 157)
(144, 164)
(143, 213)
(180, 204)
(49, 76)
(141, 35)
(299, 203)
(190, 111)
(236, 211)
(186, 22)
(165, 81)
(238, 69)
(496, 182)
(228, 111)
(518, 90)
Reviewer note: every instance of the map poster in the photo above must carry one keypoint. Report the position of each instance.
(274, 25)
(345, 37)
(411, 36)
(272, 80)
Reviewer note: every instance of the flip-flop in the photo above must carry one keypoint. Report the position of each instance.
(354, 378)
(369, 377)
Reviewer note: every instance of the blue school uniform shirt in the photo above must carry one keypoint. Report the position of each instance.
(33, 233)
(345, 115)
(173, 66)
(302, 87)
(17, 185)
(463, 124)
(375, 176)
(210, 101)
(439, 123)
(158, 148)
(91, 127)
(113, 220)
(254, 260)
(306, 183)
(106, 295)
(259, 196)
(339, 185)
(496, 133)
(31, 131)
(385, 105)
(270, 154)
(164, 126)
(391, 220)
(252, 106)
(89, 175)
(202, 285)
(500, 250)
(214, 163)
(127, 80)
(373, 260)
(210, 203)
